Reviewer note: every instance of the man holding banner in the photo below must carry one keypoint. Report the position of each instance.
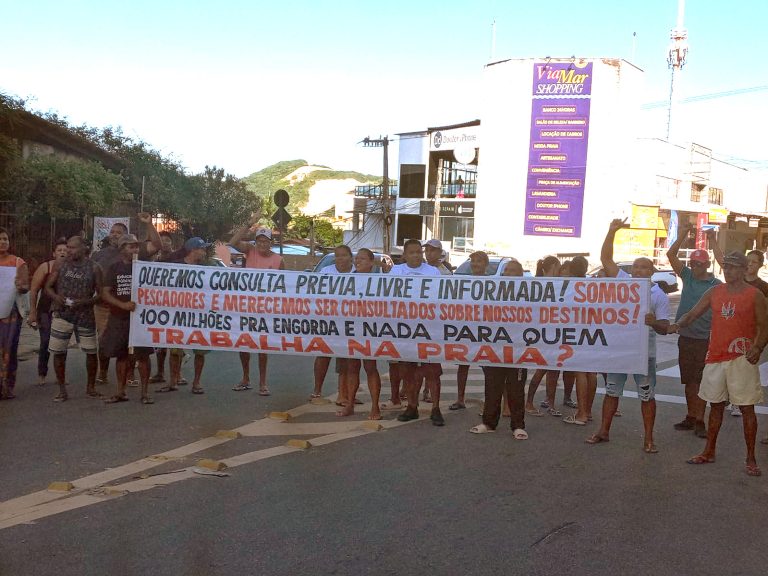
(116, 293)
(257, 255)
(105, 257)
(412, 372)
(657, 319)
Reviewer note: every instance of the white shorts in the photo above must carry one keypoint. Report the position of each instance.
(735, 381)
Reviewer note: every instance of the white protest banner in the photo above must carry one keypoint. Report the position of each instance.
(102, 226)
(7, 290)
(584, 324)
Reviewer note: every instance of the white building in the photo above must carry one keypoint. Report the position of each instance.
(553, 158)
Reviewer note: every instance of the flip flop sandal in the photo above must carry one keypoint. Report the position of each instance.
(147, 400)
(553, 412)
(520, 434)
(116, 399)
(570, 403)
(181, 382)
(156, 379)
(753, 470)
(544, 404)
(650, 448)
(133, 383)
(242, 386)
(534, 412)
(595, 439)
(61, 398)
(265, 392)
(572, 420)
(456, 406)
(481, 429)
(198, 391)
(167, 389)
(93, 395)
(700, 459)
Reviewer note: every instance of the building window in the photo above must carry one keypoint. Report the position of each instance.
(459, 180)
(696, 190)
(412, 180)
(715, 196)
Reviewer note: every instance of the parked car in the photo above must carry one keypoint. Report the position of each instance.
(665, 278)
(329, 259)
(496, 265)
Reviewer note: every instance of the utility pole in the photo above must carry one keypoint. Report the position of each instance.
(438, 188)
(387, 216)
(676, 59)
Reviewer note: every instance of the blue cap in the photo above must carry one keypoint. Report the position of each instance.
(195, 243)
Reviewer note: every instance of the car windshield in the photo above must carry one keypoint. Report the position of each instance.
(466, 269)
(330, 259)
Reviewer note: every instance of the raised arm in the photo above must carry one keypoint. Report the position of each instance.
(152, 234)
(716, 250)
(686, 319)
(606, 254)
(237, 238)
(674, 261)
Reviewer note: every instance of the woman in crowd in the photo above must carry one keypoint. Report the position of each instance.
(342, 265)
(364, 260)
(40, 308)
(548, 267)
(504, 382)
(10, 325)
(586, 382)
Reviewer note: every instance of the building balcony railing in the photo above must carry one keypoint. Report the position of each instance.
(374, 191)
(458, 191)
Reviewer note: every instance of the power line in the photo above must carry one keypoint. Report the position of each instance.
(702, 97)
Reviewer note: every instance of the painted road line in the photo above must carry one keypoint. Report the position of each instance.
(31, 507)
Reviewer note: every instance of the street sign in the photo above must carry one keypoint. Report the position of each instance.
(281, 218)
(281, 198)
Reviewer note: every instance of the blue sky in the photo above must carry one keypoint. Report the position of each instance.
(243, 84)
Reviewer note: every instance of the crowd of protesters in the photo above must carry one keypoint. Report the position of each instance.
(722, 327)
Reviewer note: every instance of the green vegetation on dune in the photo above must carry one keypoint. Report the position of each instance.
(265, 182)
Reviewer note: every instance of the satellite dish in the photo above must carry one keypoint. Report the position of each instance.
(464, 153)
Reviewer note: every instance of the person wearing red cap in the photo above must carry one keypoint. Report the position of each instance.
(694, 339)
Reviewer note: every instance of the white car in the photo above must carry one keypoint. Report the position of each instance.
(666, 278)
(496, 265)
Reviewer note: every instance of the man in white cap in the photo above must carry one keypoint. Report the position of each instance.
(434, 255)
(257, 255)
(694, 339)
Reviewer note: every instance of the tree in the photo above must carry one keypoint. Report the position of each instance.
(62, 187)
(219, 203)
(325, 233)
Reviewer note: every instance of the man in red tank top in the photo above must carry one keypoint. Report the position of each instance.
(739, 334)
(257, 255)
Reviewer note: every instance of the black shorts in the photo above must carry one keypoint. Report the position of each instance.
(114, 340)
(692, 352)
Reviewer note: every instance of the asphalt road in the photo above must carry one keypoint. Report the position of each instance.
(404, 500)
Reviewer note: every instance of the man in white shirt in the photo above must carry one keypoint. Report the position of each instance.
(657, 318)
(412, 372)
